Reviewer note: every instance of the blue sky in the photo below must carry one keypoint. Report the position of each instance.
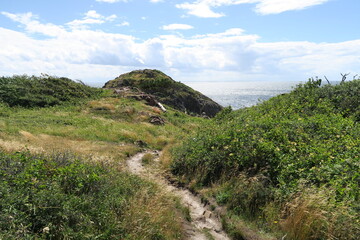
(190, 40)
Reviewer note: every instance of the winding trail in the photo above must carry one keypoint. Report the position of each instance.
(203, 220)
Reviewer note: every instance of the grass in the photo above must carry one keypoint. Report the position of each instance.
(289, 166)
(69, 159)
(60, 197)
(147, 159)
(83, 123)
(300, 148)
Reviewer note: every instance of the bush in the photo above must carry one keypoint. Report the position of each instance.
(61, 197)
(309, 136)
(44, 91)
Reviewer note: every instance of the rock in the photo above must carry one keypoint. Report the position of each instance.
(167, 91)
(156, 120)
(207, 214)
(136, 94)
(141, 143)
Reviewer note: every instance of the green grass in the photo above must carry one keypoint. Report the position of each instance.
(85, 193)
(61, 197)
(289, 165)
(84, 123)
(285, 152)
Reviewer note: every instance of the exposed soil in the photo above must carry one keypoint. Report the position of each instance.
(204, 224)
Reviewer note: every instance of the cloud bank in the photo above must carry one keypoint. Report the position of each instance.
(177, 26)
(204, 8)
(97, 56)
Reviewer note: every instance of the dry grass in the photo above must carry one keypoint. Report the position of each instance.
(148, 158)
(313, 215)
(152, 217)
(156, 110)
(102, 105)
(93, 150)
(13, 146)
(237, 228)
(166, 157)
(162, 141)
(305, 220)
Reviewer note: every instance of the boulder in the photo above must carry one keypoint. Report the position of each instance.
(156, 120)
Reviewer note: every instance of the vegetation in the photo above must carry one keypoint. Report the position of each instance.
(62, 161)
(62, 197)
(106, 120)
(43, 91)
(167, 91)
(289, 164)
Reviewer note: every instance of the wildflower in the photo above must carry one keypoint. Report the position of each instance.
(46, 230)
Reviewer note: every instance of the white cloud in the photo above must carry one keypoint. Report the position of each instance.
(32, 25)
(111, 1)
(92, 14)
(204, 8)
(177, 26)
(156, 1)
(98, 56)
(123, 24)
(200, 9)
(91, 17)
(278, 6)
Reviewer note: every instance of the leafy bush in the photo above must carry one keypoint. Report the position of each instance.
(60, 197)
(307, 137)
(43, 91)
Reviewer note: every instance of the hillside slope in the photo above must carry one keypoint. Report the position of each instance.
(43, 91)
(167, 91)
(291, 164)
(63, 147)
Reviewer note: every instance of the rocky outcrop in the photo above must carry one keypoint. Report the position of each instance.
(166, 91)
(136, 94)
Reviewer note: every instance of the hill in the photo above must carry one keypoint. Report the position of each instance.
(167, 91)
(290, 164)
(63, 152)
(43, 91)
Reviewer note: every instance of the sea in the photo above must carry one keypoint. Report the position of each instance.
(242, 94)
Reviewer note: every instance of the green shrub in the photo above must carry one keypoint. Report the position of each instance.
(60, 197)
(43, 91)
(309, 136)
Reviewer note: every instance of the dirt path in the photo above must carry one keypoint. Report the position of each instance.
(203, 220)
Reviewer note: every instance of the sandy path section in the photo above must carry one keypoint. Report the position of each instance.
(203, 220)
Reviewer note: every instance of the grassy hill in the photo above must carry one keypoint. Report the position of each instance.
(290, 164)
(167, 91)
(44, 91)
(63, 147)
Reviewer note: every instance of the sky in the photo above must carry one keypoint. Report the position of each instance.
(190, 40)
